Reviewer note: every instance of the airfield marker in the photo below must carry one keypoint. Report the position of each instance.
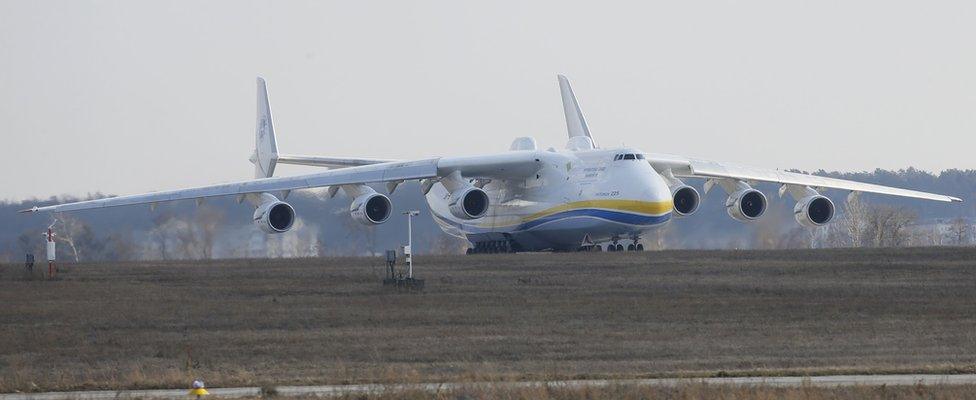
(198, 389)
(408, 250)
(50, 252)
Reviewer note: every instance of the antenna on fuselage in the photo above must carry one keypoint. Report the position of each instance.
(575, 122)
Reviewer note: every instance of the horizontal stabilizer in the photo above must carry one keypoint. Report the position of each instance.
(328, 162)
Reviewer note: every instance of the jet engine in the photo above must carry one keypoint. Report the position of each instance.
(813, 211)
(746, 204)
(274, 216)
(469, 203)
(686, 200)
(371, 208)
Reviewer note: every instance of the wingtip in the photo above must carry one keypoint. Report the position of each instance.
(28, 210)
(955, 199)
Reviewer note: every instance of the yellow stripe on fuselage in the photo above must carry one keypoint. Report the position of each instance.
(634, 206)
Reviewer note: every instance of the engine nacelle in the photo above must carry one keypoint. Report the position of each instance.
(813, 211)
(274, 216)
(686, 200)
(469, 203)
(746, 204)
(371, 208)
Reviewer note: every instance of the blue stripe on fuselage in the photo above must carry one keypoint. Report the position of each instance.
(608, 215)
(613, 216)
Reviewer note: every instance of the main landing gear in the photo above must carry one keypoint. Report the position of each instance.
(615, 245)
(492, 247)
(594, 248)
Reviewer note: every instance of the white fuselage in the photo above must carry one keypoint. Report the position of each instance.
(575, 198)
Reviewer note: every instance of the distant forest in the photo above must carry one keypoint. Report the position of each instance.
(221, 228)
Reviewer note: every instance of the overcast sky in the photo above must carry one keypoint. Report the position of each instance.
(127, 96)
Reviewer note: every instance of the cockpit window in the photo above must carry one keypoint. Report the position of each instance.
(619, 157)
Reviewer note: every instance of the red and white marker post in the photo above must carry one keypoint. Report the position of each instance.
(50, 252)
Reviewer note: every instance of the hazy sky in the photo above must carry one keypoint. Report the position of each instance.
(128, 96)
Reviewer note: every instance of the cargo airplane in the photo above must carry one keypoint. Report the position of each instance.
(582, 197)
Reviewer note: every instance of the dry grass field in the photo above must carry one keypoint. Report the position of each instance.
(692, 392)
(490, 317)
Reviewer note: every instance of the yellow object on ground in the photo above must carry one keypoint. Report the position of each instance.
(199, 392)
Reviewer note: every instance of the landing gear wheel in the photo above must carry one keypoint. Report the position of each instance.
(640, 247)
(612, 247)
(620, 247)
(631, 247)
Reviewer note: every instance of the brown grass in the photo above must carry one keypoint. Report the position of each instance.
(493, 317)
(689, 392)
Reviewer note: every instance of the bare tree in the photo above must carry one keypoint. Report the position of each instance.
(208, 220)
(886, 225)
(160, 234)
(119, 247)
(959, 231)
(186, 238)
(926, 236)
(69, 230)
(855, 213)
(836, 236)
(28, 243)
(899, 227)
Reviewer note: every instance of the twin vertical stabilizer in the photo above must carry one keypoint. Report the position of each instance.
(265, 147)
(265, 155)
(575, 122)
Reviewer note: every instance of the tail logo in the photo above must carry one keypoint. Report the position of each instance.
(263, 130)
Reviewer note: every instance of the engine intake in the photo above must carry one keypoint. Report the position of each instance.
(746, 205)
(686, 200)
(274, 216)
(371, 209)
(813, 211)
(469, 203)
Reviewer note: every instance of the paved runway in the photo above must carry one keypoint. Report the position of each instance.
(334, 390)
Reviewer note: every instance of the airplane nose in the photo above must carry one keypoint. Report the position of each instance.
(660, 194)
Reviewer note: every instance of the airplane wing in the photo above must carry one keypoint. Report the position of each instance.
(696, 168)
(397, 171)
(514, 164)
